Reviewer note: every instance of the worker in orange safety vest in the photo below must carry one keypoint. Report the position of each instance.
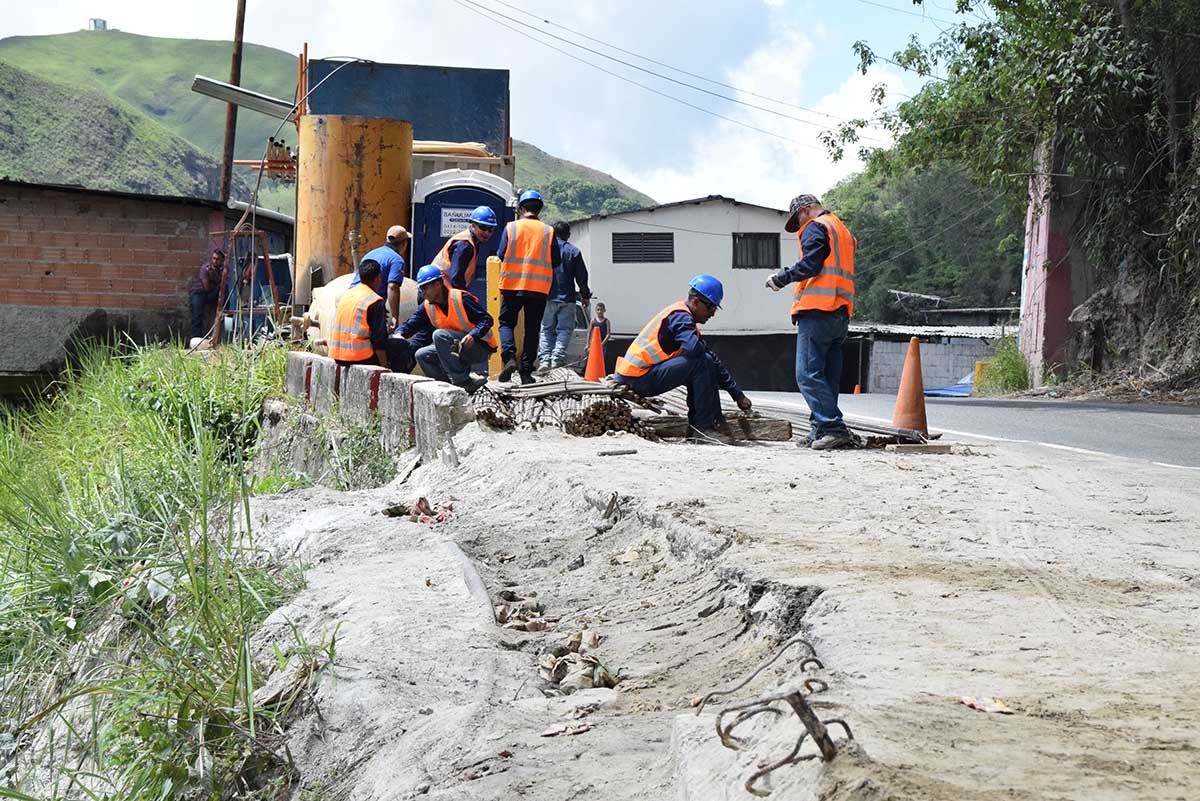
(669, 352)
(530, 254)
(824, 301)
(360, 326)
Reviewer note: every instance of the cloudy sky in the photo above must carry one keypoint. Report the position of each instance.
(793, 57)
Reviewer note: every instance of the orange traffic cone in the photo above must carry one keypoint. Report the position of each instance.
(595, 364)
(857, 389)
(910, 401)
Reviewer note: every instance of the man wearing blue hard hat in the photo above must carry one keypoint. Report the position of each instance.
(669, 352)
(459, 257)
(461, 330)
(530, 254)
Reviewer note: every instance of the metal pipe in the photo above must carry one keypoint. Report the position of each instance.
(231, 110)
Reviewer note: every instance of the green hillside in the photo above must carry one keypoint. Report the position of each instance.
(51, 133)
(154, 76)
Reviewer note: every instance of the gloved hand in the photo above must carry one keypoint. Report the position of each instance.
(777, 281)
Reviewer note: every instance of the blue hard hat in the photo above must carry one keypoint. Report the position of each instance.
(428, 274)
(530, 195)
(710, 287)
(483, 215)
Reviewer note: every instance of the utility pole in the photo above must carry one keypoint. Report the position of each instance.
(235, 78)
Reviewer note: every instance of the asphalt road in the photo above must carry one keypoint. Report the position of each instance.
(1167, 435)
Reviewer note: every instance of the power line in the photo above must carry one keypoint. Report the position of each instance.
(499, 20)
(713, 81)
(658, 75)
(919, 14)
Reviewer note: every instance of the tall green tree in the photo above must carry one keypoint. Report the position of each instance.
(917, 233)
(1100, 95)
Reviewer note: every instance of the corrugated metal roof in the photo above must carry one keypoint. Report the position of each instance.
(965, 331)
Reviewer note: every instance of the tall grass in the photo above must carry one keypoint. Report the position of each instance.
(128, 588)
(1005, 372)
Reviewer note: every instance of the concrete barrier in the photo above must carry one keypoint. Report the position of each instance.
(359, 392)
(298, 373)
(411, 410)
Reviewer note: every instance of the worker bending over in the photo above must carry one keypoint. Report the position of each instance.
(360, 329)
(821, 312)
(462, 331)
(669, 353)
(458, 258)
(530, 254)
(391, 265)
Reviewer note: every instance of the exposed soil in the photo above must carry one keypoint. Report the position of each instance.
(1067, 585)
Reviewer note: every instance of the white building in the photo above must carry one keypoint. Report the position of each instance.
(640, 261)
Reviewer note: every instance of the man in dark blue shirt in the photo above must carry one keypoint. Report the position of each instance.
(824, 301)
(558, 321)
(455, 348)
(391, 265)
(669, 352)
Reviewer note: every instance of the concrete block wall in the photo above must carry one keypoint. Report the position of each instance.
(411, 410)
(943, 362)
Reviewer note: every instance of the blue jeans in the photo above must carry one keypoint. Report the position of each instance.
(200, 302)
(441, 362)
(699, 375)
(819, 338)
(557, 325)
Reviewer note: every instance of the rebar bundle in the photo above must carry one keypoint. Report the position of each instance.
(605, 416)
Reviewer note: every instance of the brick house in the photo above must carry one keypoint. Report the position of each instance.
(81, 263)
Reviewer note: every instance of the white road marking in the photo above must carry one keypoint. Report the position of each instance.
(1176, 466)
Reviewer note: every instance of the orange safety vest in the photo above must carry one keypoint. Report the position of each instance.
(833, 287)
(645, 352)
(350, 339)
(455, 317)
(527, 262)
(442, 260)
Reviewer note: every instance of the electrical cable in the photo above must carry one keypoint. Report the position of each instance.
(713, 81)
(490, 15)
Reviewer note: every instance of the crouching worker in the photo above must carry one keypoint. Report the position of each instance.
(462, 330)
(360, 326)
(669, 353)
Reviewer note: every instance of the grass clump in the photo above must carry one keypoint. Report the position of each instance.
(1005, 372)
(129, 586)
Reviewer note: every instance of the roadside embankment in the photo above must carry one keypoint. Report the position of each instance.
(1003, 572)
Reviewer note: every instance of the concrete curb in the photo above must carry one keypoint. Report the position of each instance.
(411, 410)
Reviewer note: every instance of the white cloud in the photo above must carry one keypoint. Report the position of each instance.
(728, 159)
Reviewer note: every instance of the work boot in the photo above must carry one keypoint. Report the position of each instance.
(717, 435)
(473, 383)
(831, 442)
(510, 367)
(526, 379)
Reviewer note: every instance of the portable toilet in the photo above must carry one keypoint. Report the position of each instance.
(442, 206)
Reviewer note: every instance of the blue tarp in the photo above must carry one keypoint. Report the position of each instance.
(960, 390)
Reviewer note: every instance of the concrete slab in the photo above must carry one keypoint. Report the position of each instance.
(298, 367)
(440, 410)
(359, 395)
(395, 410)
(323, 384)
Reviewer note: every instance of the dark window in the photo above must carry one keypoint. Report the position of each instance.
(643, 248)
(756, 251)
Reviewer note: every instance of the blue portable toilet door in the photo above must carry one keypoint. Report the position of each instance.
(446, 212)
